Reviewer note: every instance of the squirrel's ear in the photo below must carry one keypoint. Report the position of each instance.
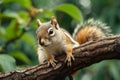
(54, 22)
(38, 22)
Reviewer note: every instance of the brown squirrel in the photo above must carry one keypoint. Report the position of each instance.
(53, 40)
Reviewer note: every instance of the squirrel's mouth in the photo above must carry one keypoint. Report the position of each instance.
(46, 44)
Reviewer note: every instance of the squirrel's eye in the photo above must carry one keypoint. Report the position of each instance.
(51, 32)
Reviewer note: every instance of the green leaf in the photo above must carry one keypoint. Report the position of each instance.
(25, 18)
(12, 14)
(21, 56)
(22, 17)
(23, 3)
(71, 10)
(29, 39)
(10, 30)
(7, 62)
(2, 32)
(114, 71)
(6, 1)
(47, 14)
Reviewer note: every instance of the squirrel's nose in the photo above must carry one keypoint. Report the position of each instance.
(41, 42)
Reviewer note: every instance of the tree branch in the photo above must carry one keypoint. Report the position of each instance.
(85, 55)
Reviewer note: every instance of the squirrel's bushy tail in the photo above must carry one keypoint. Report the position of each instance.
(91, 30)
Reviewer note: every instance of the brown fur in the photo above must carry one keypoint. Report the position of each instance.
(89, 33)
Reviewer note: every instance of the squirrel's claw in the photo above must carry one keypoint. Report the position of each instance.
(52, 61)
(69, 59)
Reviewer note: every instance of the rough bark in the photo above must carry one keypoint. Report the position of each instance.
(85, 55)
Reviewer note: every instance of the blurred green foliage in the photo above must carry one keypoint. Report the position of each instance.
(18, 42)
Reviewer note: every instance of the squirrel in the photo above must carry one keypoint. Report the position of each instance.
(52, 39)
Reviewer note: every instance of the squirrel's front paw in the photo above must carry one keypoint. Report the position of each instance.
(52, 61)
(69, 59)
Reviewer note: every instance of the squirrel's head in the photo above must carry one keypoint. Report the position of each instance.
(46, 31)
